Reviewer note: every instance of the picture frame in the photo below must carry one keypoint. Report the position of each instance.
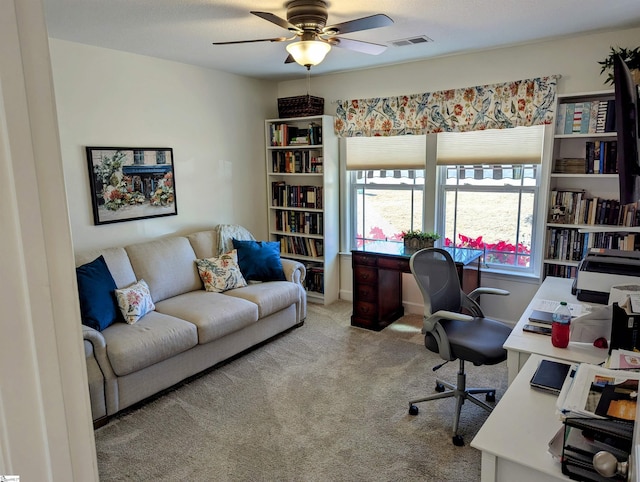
(131, 183)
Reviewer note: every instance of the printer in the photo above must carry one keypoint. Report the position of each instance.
(601, 269)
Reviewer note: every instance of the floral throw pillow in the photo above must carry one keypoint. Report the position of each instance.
(221, 273)
(135, 301)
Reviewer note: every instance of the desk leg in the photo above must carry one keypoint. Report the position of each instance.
(515, 361)
(489, 468)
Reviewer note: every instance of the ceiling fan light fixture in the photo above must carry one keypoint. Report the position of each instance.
(309, 52)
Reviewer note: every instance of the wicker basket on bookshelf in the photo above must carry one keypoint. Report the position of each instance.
(300, 106)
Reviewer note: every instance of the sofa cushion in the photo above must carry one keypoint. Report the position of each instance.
(204, 243)
(259, 260)
(221, 273)
(270, 297)
(135, 301)
(95, 291)
(117, 261)
(154, 338)
(214, 314)
(167, 265)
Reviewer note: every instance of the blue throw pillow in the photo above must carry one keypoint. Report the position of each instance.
(96, 291)
(259, 260)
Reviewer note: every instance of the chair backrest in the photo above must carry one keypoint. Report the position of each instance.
(437, 277)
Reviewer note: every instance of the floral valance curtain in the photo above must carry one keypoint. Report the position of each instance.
(499, 106)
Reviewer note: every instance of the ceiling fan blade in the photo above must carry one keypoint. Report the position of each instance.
(289, 59)
(276, 39)
(364, 23)
(280, 22)
(357, 45)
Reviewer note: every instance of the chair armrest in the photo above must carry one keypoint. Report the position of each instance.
(431, 321)
(452, 315)
(294, 271)
(487, 291)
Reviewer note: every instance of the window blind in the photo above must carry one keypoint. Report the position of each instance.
(520, 145)
(393, 152)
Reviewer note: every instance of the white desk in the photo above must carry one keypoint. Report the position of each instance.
(514, 439)
(521, 344)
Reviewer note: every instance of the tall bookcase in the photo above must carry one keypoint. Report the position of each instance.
(583, 208)
(303, 198)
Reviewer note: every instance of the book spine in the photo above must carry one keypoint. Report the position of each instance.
(601, 118)
(560, 116)
(577, 118)
(586, 118)
(590, 153)
(568, 118)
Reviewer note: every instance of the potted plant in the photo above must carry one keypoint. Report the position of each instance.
(631, 58)
(415, 240)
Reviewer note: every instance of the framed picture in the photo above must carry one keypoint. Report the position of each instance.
(129, 183)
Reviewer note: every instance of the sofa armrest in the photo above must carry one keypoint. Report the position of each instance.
(99, 350)
(110, 379)
(96, 383)
(294, 271)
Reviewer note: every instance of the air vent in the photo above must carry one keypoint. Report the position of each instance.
(423, 39)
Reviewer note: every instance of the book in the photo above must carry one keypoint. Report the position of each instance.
(541, 316)
(577, 118)
(624, 359)
(586, 118)
(550, 375)
(568, 117)
(560, 116)
(598, 392)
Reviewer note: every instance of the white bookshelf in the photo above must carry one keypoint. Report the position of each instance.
(603, 186)
(307, 231)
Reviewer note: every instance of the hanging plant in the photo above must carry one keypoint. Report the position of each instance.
(630, 56)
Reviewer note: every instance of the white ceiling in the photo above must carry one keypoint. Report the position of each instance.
(182, 30)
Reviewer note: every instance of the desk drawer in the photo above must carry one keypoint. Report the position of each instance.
(366, 310)
(359, 259)
(396, 264)
(366, 292)
(363, 274)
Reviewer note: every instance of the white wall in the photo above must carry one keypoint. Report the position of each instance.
(213, 121)
(575, 59)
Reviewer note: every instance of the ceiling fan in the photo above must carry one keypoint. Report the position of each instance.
(307, 21)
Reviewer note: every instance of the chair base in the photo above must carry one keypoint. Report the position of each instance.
(461, 393)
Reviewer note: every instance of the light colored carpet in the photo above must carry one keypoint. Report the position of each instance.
(324, 402)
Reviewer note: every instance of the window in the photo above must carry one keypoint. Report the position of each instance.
(491, 208)
(488, 187)
(385, 178)
(386, 202)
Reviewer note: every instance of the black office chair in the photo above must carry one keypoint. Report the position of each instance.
(455, 327)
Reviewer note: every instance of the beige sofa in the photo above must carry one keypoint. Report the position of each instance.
(190, 329)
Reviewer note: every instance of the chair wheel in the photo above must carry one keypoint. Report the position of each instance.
(413, 410)
(439, 387)
(490, 397)
(458, 441)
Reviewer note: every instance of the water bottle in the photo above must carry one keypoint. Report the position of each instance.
(560, 326)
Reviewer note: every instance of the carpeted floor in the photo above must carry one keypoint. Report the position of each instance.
(324, 402)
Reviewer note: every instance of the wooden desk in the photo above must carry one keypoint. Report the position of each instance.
(521, 344)
(515, 437)
(377, 280)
